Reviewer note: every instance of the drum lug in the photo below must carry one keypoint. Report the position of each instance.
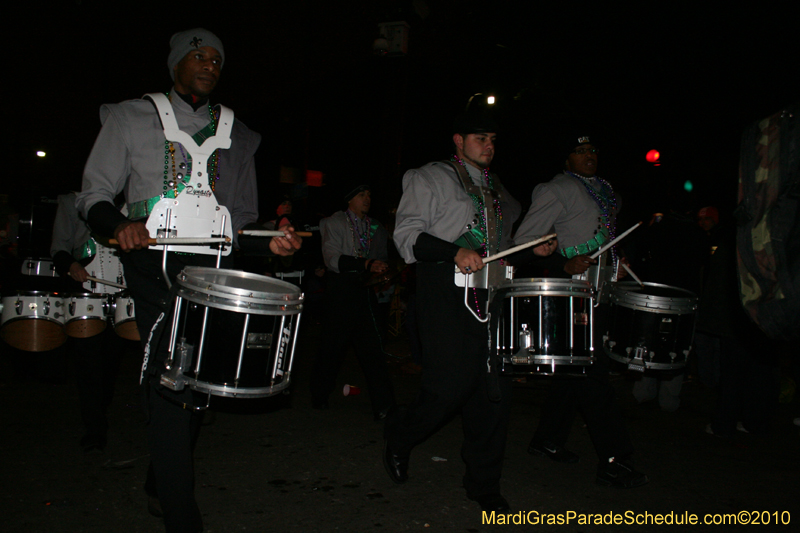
(18, 307)
(47, 307)
(71, 307)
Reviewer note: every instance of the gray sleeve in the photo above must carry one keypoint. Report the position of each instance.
(108, 166)
(65, 226)
(413, 213)
(242, 203)
(332, 242)
(542, 215)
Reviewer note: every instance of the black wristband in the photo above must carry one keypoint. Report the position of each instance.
(104, 218)
(430, 248)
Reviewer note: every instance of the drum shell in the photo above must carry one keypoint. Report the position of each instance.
(86, 314)
(125, 317)
(234, 333)
(545, 327)
(33, 321)
(651, 327)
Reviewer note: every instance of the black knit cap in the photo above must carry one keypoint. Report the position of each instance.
(475, 121)
(359, 188)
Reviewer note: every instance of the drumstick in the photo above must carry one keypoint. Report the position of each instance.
(516, 249)
(104, 282)
(614, 242)
(634, 276)
(182, 240)
(270, 233)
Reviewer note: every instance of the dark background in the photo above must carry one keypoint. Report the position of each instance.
(303, 74)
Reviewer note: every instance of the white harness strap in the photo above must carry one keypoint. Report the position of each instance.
(200, 154)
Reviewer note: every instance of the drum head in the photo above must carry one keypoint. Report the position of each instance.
(234, 290)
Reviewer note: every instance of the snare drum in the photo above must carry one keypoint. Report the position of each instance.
(545, 326)
(125, 317)
(85, 314)
(651, 326)
(233, 333)
(33, 321)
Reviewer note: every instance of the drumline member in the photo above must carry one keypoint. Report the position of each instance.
(132, 154)
(96, 357)
(581, 208)
(451, 214)
(354, 246)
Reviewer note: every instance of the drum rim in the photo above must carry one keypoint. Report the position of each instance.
(191, 278)
(631, 299)
(250, 306)
(522, 287)
(36, 294)
(35, 317)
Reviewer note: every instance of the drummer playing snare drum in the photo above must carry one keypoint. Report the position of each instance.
(136, 154)
(581, 208)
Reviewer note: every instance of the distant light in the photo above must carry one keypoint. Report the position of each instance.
(687, 186)
(40, 153)
(490, 100)
(652, 156)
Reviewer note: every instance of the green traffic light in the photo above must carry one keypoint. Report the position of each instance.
(687, 186)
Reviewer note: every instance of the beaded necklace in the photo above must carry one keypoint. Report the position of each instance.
(361, 234)
(606, 200)
(479, 204)
(171, 184)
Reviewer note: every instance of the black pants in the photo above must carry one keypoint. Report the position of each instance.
(172, 427)
(454, 381)
(350, 317)
(592, 397)
(96, 364)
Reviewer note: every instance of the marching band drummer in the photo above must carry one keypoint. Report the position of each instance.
(132, 154)
(450, 216)
(96, 358)
(581, 208)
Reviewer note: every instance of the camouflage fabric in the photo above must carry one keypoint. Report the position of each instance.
(768, 236)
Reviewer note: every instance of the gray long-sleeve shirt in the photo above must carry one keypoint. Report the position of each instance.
(434, 201)
(128, 156)
(565, 207)
(338, 240)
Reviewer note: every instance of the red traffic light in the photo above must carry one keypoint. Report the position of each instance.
(653, 156)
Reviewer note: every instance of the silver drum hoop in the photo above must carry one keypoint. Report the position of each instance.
(238, 291)
(545, 287)
(653, 298)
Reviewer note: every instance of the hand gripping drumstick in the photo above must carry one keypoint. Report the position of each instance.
(104, 282)
(271, 233)
(608, 245)
(516, 249)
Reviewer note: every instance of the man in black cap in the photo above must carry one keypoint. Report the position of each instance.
(354, 249)
(136, 153)
(582, 209)
(452, 214)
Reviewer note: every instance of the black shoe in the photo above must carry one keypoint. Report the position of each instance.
(396, 465)
(620, 474)
(381, 415)
(492, 502)
(552, 451)
(154, 507)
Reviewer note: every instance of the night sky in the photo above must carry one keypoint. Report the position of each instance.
(304, 76)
